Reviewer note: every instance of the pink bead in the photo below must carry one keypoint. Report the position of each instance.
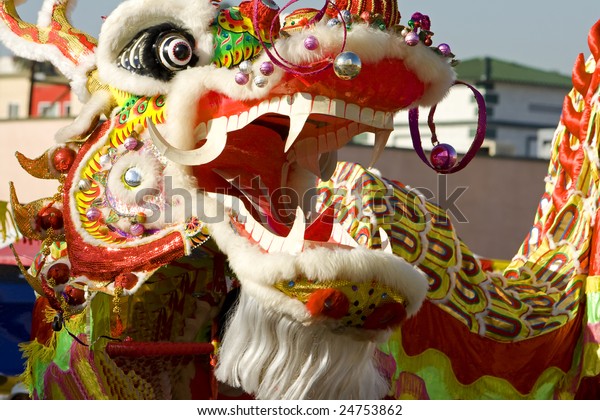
(311, 43)
(267, 68)
(93, 214)
(241, 78)
(443, 156)
(444, 49)
(412, 39)
(137, 229)
(131, 143)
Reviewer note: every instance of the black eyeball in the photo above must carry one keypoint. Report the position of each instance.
(159, 51)
(174, 51)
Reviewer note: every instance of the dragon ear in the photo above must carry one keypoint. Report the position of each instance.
(54, 39)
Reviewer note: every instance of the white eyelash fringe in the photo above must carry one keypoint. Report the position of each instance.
(274, 357)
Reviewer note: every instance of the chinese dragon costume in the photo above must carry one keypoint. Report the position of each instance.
(205, 242)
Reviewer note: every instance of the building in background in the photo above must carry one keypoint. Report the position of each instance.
(523, 108)
(33, 90)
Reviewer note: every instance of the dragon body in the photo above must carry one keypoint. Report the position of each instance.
(205, 242)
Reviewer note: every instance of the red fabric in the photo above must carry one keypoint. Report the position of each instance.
(41, 331)
(473, 356)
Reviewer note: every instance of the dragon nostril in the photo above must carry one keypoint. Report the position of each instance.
(331, 303)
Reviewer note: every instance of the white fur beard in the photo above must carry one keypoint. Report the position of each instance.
(271, 356)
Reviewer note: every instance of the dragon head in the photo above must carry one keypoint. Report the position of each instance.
(219, 124)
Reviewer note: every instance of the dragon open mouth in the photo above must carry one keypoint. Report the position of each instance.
(276, 150)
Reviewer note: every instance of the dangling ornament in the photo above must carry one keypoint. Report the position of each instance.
(443, 156)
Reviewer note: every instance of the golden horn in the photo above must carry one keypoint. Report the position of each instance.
(39, 167)
(25, 218)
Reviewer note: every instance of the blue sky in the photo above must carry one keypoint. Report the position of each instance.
(543, 34)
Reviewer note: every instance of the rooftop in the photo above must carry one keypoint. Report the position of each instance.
(488, 69)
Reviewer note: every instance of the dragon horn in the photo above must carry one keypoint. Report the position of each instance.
(53, 39)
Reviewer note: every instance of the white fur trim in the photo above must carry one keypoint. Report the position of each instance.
(320, 264)
(45, 13)
(274, 357)
(98, 105)
(131, 17)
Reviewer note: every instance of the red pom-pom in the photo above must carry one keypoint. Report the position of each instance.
(63, 159)
(74, 296)
(49, 217)
(60, 273)
(386, 316)
(126, 281)
(331, 303)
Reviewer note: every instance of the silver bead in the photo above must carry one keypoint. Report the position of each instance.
(133, 177)
(105, 161)
(333, 22)
(245, 67)
(347, 65)
(84, 185)
(261, 81)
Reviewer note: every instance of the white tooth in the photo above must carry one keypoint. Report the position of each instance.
(257, 233)
(200, 131)
(386, 245)
(253, 114)
(342, 136)
(285, 105)
(367, 115)
(242, 120)
(347, 239)
(274, 105)
(379, 119)
(339, 235)
(336, 233)
(338, 108)
(307, 155)
(232, 123)
(216, 141)
(321, 105)
(328, 163)
(263, 108)
(296, 126)
(298, 115)
(353, 112)
(276, 244)
(294, 243)
(389, 121)
(332, 143)
(381, 139)
(249, 225)
(266, 240)
(353, 130)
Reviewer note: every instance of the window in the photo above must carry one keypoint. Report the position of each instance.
(48, 109)
(13, 111)
(66, 109)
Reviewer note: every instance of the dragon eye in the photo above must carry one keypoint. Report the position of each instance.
(174, 51)
(159, 52)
